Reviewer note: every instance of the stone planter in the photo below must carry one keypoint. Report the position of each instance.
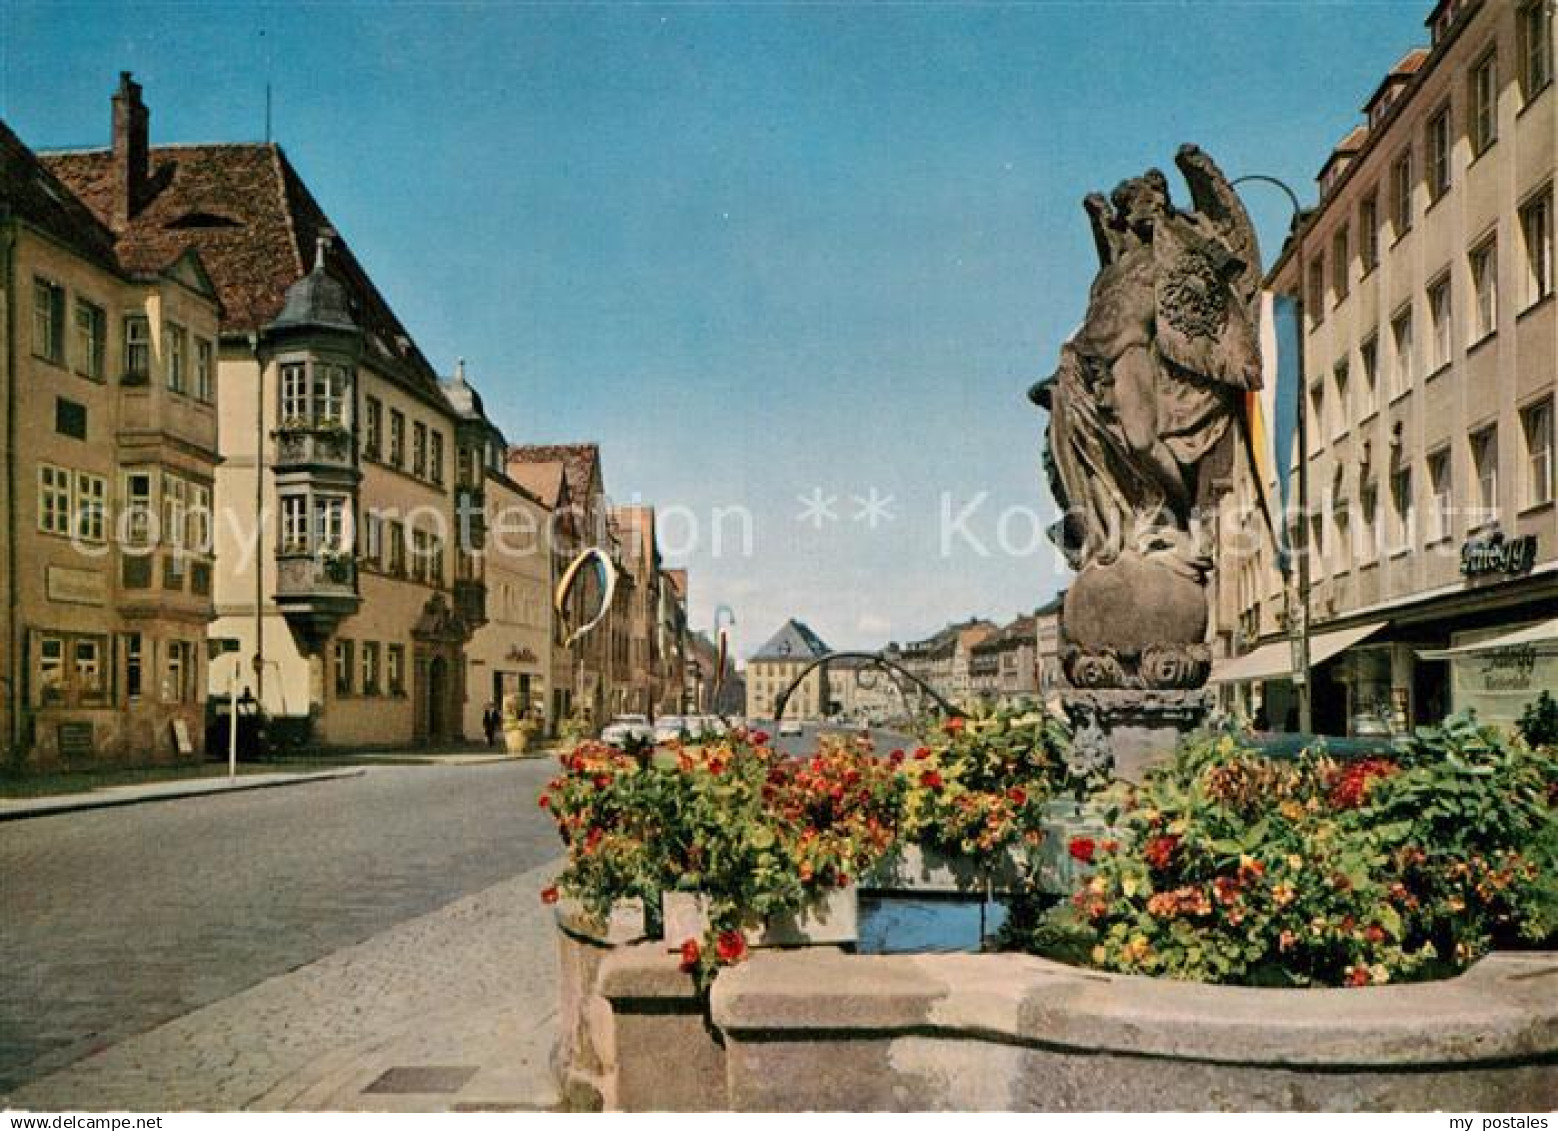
(516, 740)
(921, 868)
(584, 1057)
(832, 920)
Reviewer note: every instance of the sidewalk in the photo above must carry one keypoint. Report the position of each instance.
(19, 808)
(452, 1011)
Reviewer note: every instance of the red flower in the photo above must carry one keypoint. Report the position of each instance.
(1110, 846)
(760, 738)
(930, 779)
(1159, 852)
(592, 839)
(1358, 976)
(731, 946)
(545, 801)
(549, 895)
(954, 724)
(692, 953)
(1017, 795)
(896, 757)
(1082, 848)
(921, 753)
(1374, 933)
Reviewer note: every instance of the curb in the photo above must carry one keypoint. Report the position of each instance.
(96, 799)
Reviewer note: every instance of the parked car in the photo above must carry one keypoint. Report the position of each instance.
(790, 728)
(627, 728)
(669, 728)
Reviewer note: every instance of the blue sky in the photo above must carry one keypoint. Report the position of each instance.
(754, 250)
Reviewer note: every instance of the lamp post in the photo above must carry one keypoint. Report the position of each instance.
(1299, 638)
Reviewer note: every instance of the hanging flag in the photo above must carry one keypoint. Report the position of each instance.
(606, 576)
(1273, 409)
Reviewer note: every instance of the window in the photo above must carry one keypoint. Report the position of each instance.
(1368, 528)
(175, 509)
(180, 669)
(1484, 459)
(91, 510)
(1483, 126)
(330, 532)
(1401, 509)
(1438, 145)
(420, 553)
(133, 669)
(1316, 430)
(373, 539)
(1439, 323)
(136, 528)
(1401, 194)
(397, 439)
(198, 534)
(1368, 232)
(1484, 285)
(294, 393)
(51, 669)
(137, 349)
(175, 348)
(370, 668)
(1316, 299)
(53, 499)
(294, 524)
(395, 668)
(1340, 417)
(435, 561)
(1442, 509)
(372, 428)
(205, 375)
(87, 660)
(48, 320)
(329, 394)
(1537, 424)
(1368, 358)
(1341, 262)
(396, 534)
(1536, 229)
(1405, 372)
(419, 450)
(1536, 48)
(343, 667)
(70, 418)
(435, 457)
(91, 340)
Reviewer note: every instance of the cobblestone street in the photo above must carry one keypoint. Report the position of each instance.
(119, 921)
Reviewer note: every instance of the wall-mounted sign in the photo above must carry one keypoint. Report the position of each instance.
(518, 654)
(76, 586)
(1481, 556)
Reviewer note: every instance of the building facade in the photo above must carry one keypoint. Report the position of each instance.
(110, 437)
(333, 588)
(777, 664)
(1004, 667)
(1430, 344)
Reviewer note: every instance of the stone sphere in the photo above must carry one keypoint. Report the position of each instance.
(1132, 604)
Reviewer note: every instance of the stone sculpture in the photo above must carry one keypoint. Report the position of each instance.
(1145, 391)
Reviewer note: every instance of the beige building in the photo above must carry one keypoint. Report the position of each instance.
(110, 446)
(335, 494)
(503, 570)
(1430, 346)
(1004, 667)
(945, 661)
(777, 664)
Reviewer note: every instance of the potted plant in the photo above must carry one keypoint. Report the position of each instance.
(518, 727)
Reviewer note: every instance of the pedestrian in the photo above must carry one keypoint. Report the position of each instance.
(489, 723)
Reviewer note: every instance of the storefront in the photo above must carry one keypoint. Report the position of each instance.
(1498, 673)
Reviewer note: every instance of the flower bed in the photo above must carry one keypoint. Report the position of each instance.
(1240, 868)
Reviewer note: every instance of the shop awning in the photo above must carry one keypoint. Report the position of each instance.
(1275, 660)
(1543, 636)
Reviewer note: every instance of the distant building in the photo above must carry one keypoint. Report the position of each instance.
(1004, 667)
(776, 665)
(944, 661)
(110, 438)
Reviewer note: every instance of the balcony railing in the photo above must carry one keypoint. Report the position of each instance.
(301, 444)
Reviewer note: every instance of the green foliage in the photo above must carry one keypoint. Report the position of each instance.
(1538, 724)
(1242, 868)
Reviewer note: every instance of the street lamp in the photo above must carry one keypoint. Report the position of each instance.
(1300, 638)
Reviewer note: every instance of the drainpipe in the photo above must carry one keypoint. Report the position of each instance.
(13, 595)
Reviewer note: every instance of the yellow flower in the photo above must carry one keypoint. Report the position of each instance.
(1296, 862)
(1378, 974)
(1137, 949)
(1283, 894)
(1292, 810)
(1099, 954)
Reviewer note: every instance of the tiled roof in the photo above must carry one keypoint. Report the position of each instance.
(579, 462)
(244, 208)
(793, 641)
(33, 194)
(1021, 631)
(678, 580)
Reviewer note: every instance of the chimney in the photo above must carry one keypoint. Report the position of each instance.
(130, 150)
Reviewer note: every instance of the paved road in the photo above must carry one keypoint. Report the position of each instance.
(806, 742)
(114, 921)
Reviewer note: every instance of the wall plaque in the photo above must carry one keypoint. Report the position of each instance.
(76, 586)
